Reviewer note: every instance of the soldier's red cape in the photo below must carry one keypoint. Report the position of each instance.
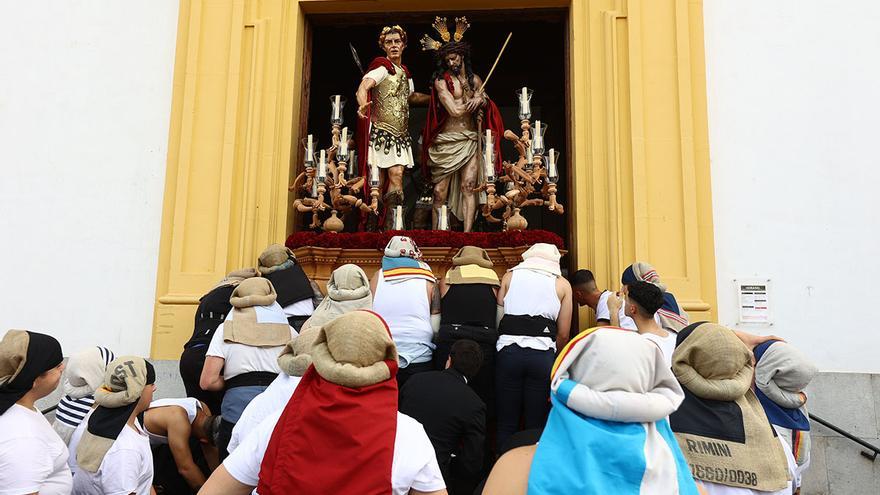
(333, 439)
(437, 116)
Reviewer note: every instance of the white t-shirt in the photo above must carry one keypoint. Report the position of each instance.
(602, 312)
(242, 358)
(666, 345)
(718, 489)
(304, 307)
(271, 400)
(127, 467)
(414, 464)
(33, 458)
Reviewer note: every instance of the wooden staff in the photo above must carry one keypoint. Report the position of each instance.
(483, 87)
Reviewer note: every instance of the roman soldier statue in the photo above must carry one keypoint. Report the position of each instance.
(383, 97)
(458, 112)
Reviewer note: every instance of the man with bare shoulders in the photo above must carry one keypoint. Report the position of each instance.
(451, 141)
(535, 306)
(383, 97)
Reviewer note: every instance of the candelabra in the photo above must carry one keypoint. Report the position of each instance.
(328, 177)
(530, 180)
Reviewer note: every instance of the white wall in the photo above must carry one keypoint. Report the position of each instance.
(794, 118)
(85, 102)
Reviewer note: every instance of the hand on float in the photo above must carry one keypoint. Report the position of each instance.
(363, 108)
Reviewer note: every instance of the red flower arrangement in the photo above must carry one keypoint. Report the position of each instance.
(425, 238)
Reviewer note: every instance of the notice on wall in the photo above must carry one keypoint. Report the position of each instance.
(754, 301)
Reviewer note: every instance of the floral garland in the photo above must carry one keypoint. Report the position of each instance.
(425, 238)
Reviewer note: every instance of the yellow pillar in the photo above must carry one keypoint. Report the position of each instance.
(639, 142)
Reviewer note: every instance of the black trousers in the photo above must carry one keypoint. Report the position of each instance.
(522, 389)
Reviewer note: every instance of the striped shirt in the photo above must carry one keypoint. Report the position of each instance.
(72, 411)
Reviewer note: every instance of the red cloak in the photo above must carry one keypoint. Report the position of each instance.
(333, 439)
(437, 116)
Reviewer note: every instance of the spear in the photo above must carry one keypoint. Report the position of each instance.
(357, 60)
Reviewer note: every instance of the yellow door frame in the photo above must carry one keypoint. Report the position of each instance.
(638, 130)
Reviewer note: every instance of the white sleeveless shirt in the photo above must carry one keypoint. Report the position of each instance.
(405, 307)
(530, 293)
(189, 404)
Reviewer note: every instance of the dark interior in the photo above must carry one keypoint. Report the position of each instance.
(535, 57)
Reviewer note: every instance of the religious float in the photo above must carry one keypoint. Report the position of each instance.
(350, 193)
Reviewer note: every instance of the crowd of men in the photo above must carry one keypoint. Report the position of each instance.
(407, 383)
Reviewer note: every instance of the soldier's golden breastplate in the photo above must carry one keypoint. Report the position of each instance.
(391, 104)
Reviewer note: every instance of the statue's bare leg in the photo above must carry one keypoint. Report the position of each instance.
(469, 197)
(441, 192)
(394, 195)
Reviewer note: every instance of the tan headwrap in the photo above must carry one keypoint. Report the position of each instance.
(296, 357)
(716, 368)
(347, 290)
(472, 265)
(255, 319)
(235, 277)
(352, 349)
(115, 401)
(273, 258)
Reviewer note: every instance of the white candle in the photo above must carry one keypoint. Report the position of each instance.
(525, 101)
(551, 164)
(343, 143)
(398, 218)
(310, 151)
(529, 155)
(539, 140)
(374, 173)
(322, 164)
(336, 108)
(487, 158)
(443, 221)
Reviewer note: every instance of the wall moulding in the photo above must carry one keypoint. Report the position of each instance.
(637, 141)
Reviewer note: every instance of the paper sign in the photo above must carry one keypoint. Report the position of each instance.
(754, 302)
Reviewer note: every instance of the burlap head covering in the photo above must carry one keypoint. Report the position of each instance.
(347, 290)
(273, 258)
(255, 291)
(296, 357)
(721, 426)
(24, 356)
(351, 350)
(471, 265)
(236, 276)
(256, 320)
(115, 401)
(472, 255)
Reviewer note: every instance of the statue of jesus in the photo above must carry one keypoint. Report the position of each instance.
(452, 136)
